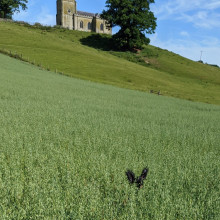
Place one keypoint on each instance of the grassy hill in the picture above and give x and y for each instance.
(66, 143)
(90, 57)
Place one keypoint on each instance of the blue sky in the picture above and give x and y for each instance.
(184, 27)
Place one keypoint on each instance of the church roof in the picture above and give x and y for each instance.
(83, 13)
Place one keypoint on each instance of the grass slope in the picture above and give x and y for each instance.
(65, 145)
(69, 53)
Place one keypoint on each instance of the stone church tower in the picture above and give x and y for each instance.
(65, 11)
(69, 17)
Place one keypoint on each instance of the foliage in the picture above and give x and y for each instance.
(65, 145)
(9, 7)
(135, 20)
(89, 56)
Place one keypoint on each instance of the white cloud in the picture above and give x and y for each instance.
(184, 33)
(213, 5)
(202, 19)
(23, 15)
(201, 13)
(177, 6)
(192, 49)
(45, 17)
(35, 13)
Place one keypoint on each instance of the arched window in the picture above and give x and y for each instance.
(101, 27)
(81, 24)
(89, 26)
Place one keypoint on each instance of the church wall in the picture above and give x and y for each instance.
(104, 30)
(68, 21)
(77, 19)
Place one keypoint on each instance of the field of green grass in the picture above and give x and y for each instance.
(87, 56)
(66, 143)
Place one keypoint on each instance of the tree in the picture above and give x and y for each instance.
(135, 20)
(9, 7)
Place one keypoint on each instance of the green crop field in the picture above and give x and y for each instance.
(66, 143)
(90, 56)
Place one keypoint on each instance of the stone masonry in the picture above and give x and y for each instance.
(69, 17)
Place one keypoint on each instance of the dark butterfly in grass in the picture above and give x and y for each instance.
(139, 181)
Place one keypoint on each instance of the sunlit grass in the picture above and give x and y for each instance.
(65, 145)
(82, 55)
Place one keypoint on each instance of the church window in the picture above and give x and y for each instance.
(101, 27)
(69, 11)
(89, 26)
(81, 24)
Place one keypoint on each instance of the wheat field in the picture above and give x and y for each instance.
(65, 145)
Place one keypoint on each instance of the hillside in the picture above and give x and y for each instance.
(66, 143)
(90, 57)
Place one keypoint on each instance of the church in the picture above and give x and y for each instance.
(69, 17)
